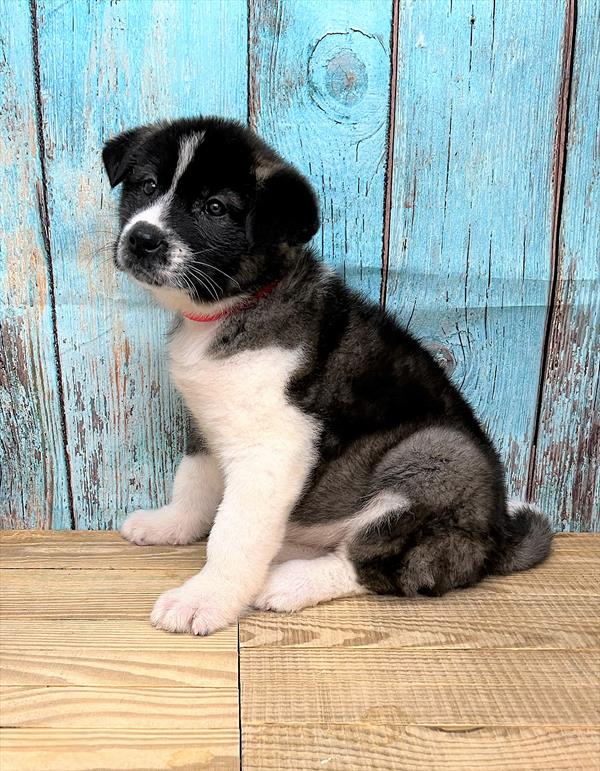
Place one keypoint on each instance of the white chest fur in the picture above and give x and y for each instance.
(239, 401)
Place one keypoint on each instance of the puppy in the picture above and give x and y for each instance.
(329, 454)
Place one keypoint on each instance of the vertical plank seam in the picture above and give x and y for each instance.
(249, 10)
(389, 166)
(558, 178)
(239, 684)
(45, 226)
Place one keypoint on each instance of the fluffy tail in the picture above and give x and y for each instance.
(529, 538)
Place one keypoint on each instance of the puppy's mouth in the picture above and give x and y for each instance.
(145, 276)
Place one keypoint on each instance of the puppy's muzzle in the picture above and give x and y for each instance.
(144, 252)
(146, 241)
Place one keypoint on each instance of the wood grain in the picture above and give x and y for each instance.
(32, 749)
(99, 549)
(566, 476)
(86, 682)
(319, 91)
(446, 688)
(33, 478)
(85, 594)
(466, 621)
(99, 76)
(471, 217)
(117, 707)
(422, 748)
(527, 610)
(118, 652)
(120, 593)
(504, 676)
(94, 685)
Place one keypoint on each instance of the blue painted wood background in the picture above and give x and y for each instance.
(455, 147)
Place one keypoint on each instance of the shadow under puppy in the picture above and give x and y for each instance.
(330, 455)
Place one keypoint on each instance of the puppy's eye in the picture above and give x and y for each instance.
(214, 207)
(149, 186)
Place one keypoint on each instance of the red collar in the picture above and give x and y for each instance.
(247, 303)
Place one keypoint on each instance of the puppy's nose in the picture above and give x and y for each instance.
(145, 240)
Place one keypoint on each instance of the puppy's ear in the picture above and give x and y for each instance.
(285, 209)
(118, 153)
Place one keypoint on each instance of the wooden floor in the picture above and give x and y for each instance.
(503, 676)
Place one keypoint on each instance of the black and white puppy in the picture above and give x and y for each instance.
(329, 454)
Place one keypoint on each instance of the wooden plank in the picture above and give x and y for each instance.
(84, 594)
(422, 748)
(98, 549)
(458, 621)
(119, 652)
(32, 749)
(528, 610)
(91, 550)
(471, 219)
(319, 92)
(566, 476)
(33, 482)
(99, 75)
(382, 687)
(117, 707)
(131, 593)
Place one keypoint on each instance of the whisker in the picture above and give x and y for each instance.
(200, 275)
(214, 267)
(204, 284)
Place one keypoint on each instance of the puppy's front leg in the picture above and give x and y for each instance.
(249, 528)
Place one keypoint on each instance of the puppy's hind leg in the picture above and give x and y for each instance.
(300, 583)
(197, 492)
(444, 534)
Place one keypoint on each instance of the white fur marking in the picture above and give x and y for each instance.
(299, 583)
(154, 214)
(265, 447)
(339, 532)
(513, 507)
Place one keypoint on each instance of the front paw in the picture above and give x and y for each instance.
(154, 528)
(188, 609)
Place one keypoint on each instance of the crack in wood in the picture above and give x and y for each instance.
(558, 179)
(42, 200)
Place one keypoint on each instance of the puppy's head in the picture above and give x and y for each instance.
(208, 211)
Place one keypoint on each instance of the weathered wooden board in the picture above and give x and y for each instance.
(33, 472)
(319, 75)
(419, 748)
(100, 688)
(472, 199)
(566, 477)
(107, 66)
(476, 688)
(473, 620)
(94, 687)
(124, 651)
(85, 594)
(458, 236)
(80, 749)
(91, 550)
(116, 707)
(498, 613)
